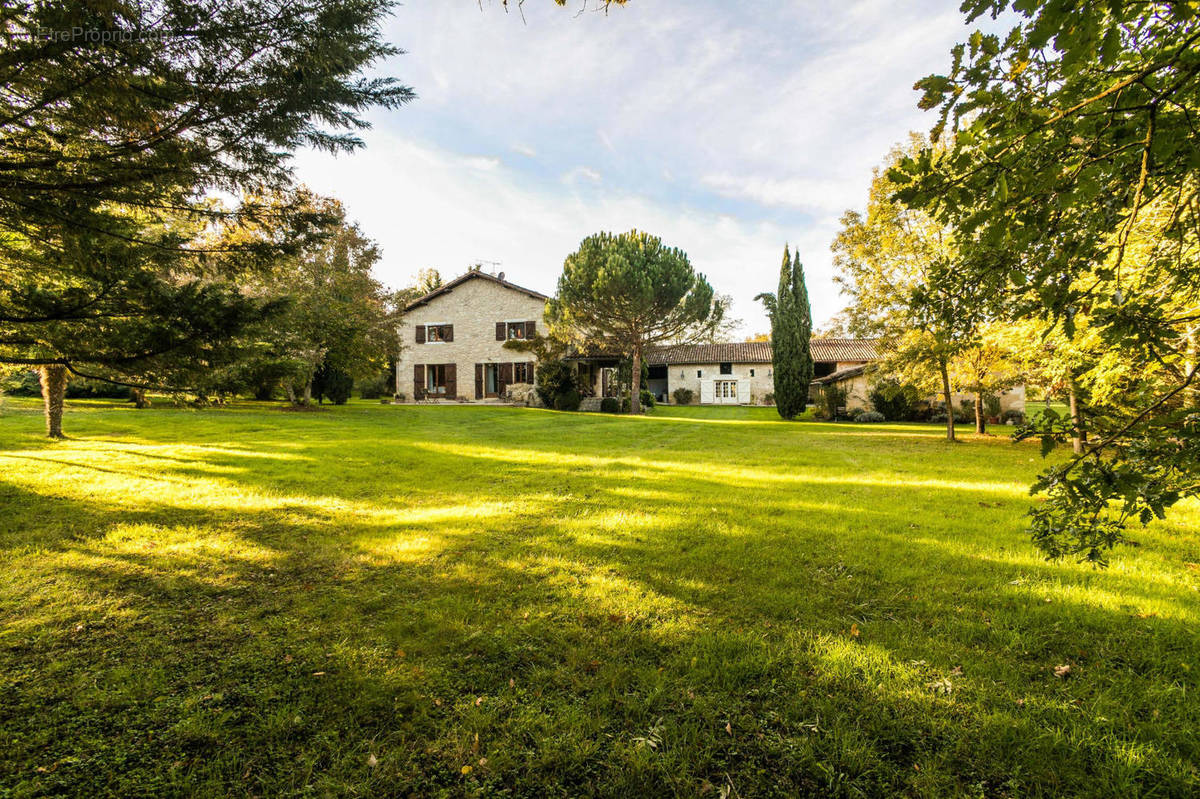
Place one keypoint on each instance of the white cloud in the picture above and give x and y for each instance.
(726, 128)
(581, 172)
(819, 195)
(529, 229)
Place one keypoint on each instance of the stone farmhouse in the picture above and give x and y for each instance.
(452, 349)
(452, 339)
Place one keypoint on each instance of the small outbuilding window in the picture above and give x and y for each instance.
(726, 368)
(699, 373)
(752, 373)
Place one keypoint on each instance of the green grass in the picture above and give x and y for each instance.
(425, 601)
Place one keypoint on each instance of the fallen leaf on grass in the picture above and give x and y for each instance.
(372, 761)
(853, 630)
(1062, 671)
(466, 769)
(729, 728)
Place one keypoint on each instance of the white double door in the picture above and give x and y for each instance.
(725, 391)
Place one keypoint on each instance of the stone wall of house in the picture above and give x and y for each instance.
(474, 308)
(685, 376)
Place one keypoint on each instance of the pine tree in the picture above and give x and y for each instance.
(110, 146)
(791, 334)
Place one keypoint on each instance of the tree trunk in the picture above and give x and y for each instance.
(1079, 435)
(139, 398)
(291, 392)
(1193, 360)
(54, 390)
(945, 367)
(307, 398)
(635, 381)
(980, 426)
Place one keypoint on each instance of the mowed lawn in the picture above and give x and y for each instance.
(457, 601)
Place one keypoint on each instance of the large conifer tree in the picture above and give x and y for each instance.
(791, 334)
(117, 122)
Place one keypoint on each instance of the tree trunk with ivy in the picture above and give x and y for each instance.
(53, 378)
(980, 421)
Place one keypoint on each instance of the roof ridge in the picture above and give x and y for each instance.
(468, 275)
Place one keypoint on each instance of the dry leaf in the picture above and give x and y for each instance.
(478, 701)
(729, 728)
(511, 682)
(318, 674)
(853, 630)
(466, 769)
(1062, 671)
(372, 761)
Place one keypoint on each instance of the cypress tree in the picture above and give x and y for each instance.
(791, 332)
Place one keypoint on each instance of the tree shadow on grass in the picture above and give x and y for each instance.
(313, 622)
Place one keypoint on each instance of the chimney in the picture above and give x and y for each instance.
(500, 275)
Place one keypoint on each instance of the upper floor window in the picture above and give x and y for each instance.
(434, 333)
(515, 331)
(727, 368)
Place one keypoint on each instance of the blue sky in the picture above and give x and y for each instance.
(726, 127)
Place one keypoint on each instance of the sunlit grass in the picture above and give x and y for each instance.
(510, 601)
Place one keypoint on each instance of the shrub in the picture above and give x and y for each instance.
(23, 383)
(895, 400)
(376, 387)
(991, 405)
(1013, 415)
(870, 416)
(769, 398)
(683, 396)
(332, 384)
(610, 405)
(647, 398)
(854, 413)
(832, 398)
(567, 401)
(553, 379)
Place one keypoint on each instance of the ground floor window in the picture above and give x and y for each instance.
(521, 373)
(491, 379)
(435, 378)
(725, 389)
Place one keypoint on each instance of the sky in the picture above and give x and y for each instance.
(727, 128)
